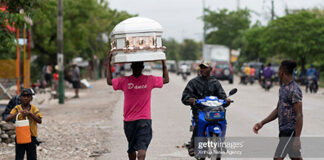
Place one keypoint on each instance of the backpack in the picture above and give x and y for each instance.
(14, 101)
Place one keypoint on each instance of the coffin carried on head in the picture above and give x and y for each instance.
(137, 39)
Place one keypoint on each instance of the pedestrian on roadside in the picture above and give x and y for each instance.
(113, 71)
(34, 116)
(48, 75)
(137, 105)
(75, 79)
(289, 113)
(56, 79)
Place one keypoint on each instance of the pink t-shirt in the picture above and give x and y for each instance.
(137, 95)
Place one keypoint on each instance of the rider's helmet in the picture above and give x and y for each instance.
(137, 39)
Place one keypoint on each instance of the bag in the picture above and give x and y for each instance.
(23, 135)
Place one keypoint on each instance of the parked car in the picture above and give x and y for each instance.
(171, 65)
(223, 70)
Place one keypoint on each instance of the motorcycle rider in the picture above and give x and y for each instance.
(267, 74)
(312, 74)
(252, 74)
(184, 70)
(197, 88)
(245, 74)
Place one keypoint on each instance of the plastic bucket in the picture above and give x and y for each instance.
(22, 131)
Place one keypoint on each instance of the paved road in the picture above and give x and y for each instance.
(171, 119)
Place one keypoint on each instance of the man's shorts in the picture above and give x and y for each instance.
(76, 84)
(138, 134)
(285, 146)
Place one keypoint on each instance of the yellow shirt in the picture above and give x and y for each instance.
(247, 71)
(32, 123)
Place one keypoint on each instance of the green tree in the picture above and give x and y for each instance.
(12, 16)
(172, 51)
(299, 36)
(190, 50)
(86, 22)
(226, 27)
(256, 46)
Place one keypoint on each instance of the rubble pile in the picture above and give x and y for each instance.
(7, 132)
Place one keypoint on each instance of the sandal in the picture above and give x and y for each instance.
(191, 151)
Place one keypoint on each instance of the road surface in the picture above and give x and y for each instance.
(171, 119)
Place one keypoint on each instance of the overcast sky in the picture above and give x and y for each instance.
(180, 18)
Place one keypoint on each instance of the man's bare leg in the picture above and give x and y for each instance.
(132, 156)
(141, 154)
(76, 93)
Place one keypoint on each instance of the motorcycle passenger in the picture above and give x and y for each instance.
(252, 74)
(313, 75)
(197, 88)
(246, 73)
(267, 74)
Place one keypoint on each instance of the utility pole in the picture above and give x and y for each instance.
(18, 62)
(272, 10)
(238, 4)
(60, 56)
(204, 32)
(204, 36)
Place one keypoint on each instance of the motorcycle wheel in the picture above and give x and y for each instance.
(215, 139)
(312, 88)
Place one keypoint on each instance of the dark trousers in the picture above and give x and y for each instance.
(29, 148)
(195, 113)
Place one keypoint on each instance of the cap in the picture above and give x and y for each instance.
(205, 63)
(28, 91)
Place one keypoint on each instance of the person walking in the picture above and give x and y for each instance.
(75, 79)
(137, 105)
(289, 113)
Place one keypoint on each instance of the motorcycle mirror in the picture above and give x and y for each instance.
(233, 91)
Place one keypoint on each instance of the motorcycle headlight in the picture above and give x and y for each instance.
(211, 103)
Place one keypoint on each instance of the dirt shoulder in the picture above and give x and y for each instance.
(78, 129)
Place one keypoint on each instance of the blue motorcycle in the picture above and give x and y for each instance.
(212, 123)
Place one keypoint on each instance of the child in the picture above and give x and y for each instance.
(34, 116)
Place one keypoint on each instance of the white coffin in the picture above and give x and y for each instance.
(137, 57)
(137, 39)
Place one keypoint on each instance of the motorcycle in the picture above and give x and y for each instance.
(184, 76)
(212, 123)
(267, 84)
(251, 79)
(311, 84)
(244, 79)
